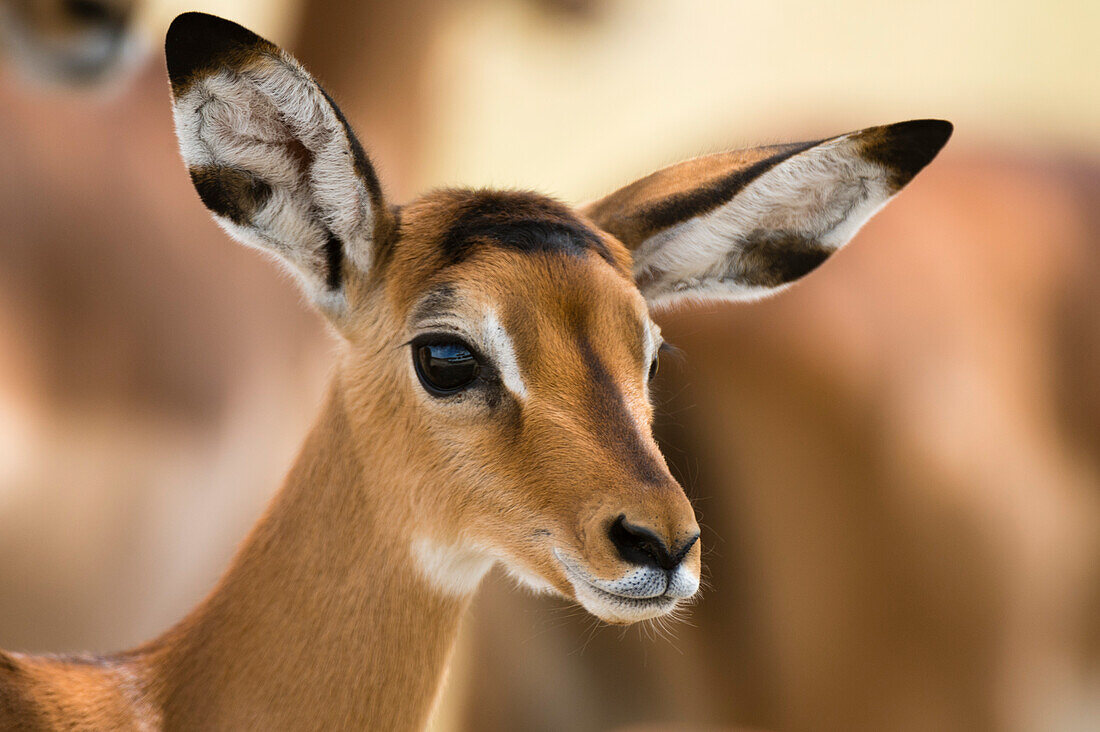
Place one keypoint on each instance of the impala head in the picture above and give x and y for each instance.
(502, 343)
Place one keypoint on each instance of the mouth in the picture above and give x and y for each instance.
(635, 608)
(613, 607)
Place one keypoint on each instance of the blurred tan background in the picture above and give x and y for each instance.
(896, 463)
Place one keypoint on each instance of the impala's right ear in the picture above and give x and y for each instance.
(271, 155)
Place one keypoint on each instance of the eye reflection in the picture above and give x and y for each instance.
(445, 365)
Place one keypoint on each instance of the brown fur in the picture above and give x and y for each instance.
(300, 632)
(725, 669)
(870, 568)
(331, 616)
(324, 619)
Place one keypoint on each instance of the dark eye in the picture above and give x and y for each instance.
(653, 367)
(445, 366)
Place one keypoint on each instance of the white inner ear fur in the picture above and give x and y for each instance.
(824, 194)
(253, 120)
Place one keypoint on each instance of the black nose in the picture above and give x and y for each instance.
(642, 546)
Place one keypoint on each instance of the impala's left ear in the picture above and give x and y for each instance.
(740, 225)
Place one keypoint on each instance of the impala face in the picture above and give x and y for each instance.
(527, 359)
(501, 342)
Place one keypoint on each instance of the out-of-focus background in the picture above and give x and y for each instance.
(896, 463)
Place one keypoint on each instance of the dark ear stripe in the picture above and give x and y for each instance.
(906, 147)
(237, 195)
(198, 43)
(696, 202)
(632, 226)
(383, 225)
(231, 193)
(773, 258)
(334, 261)
(360, 160)
(765, 259)
(521, 221)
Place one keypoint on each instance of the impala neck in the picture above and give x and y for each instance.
(322, 621)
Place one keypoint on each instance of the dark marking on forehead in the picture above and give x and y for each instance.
(520, 221)
(612, 421)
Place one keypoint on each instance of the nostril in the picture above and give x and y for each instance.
(687, 547)
(642, 546)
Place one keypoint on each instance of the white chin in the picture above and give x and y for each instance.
(622, 610)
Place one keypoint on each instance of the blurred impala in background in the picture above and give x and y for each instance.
(897, 463)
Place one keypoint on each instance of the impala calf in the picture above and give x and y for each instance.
(490, 403)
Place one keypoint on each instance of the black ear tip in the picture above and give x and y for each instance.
(184, 21)
(198, 40)
(906, 147)
(929, 133)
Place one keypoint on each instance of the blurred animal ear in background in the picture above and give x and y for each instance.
(271, 155)
(71, 42)
(744, 224)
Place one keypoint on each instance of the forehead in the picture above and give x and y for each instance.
(490, 245)
(528, 292)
